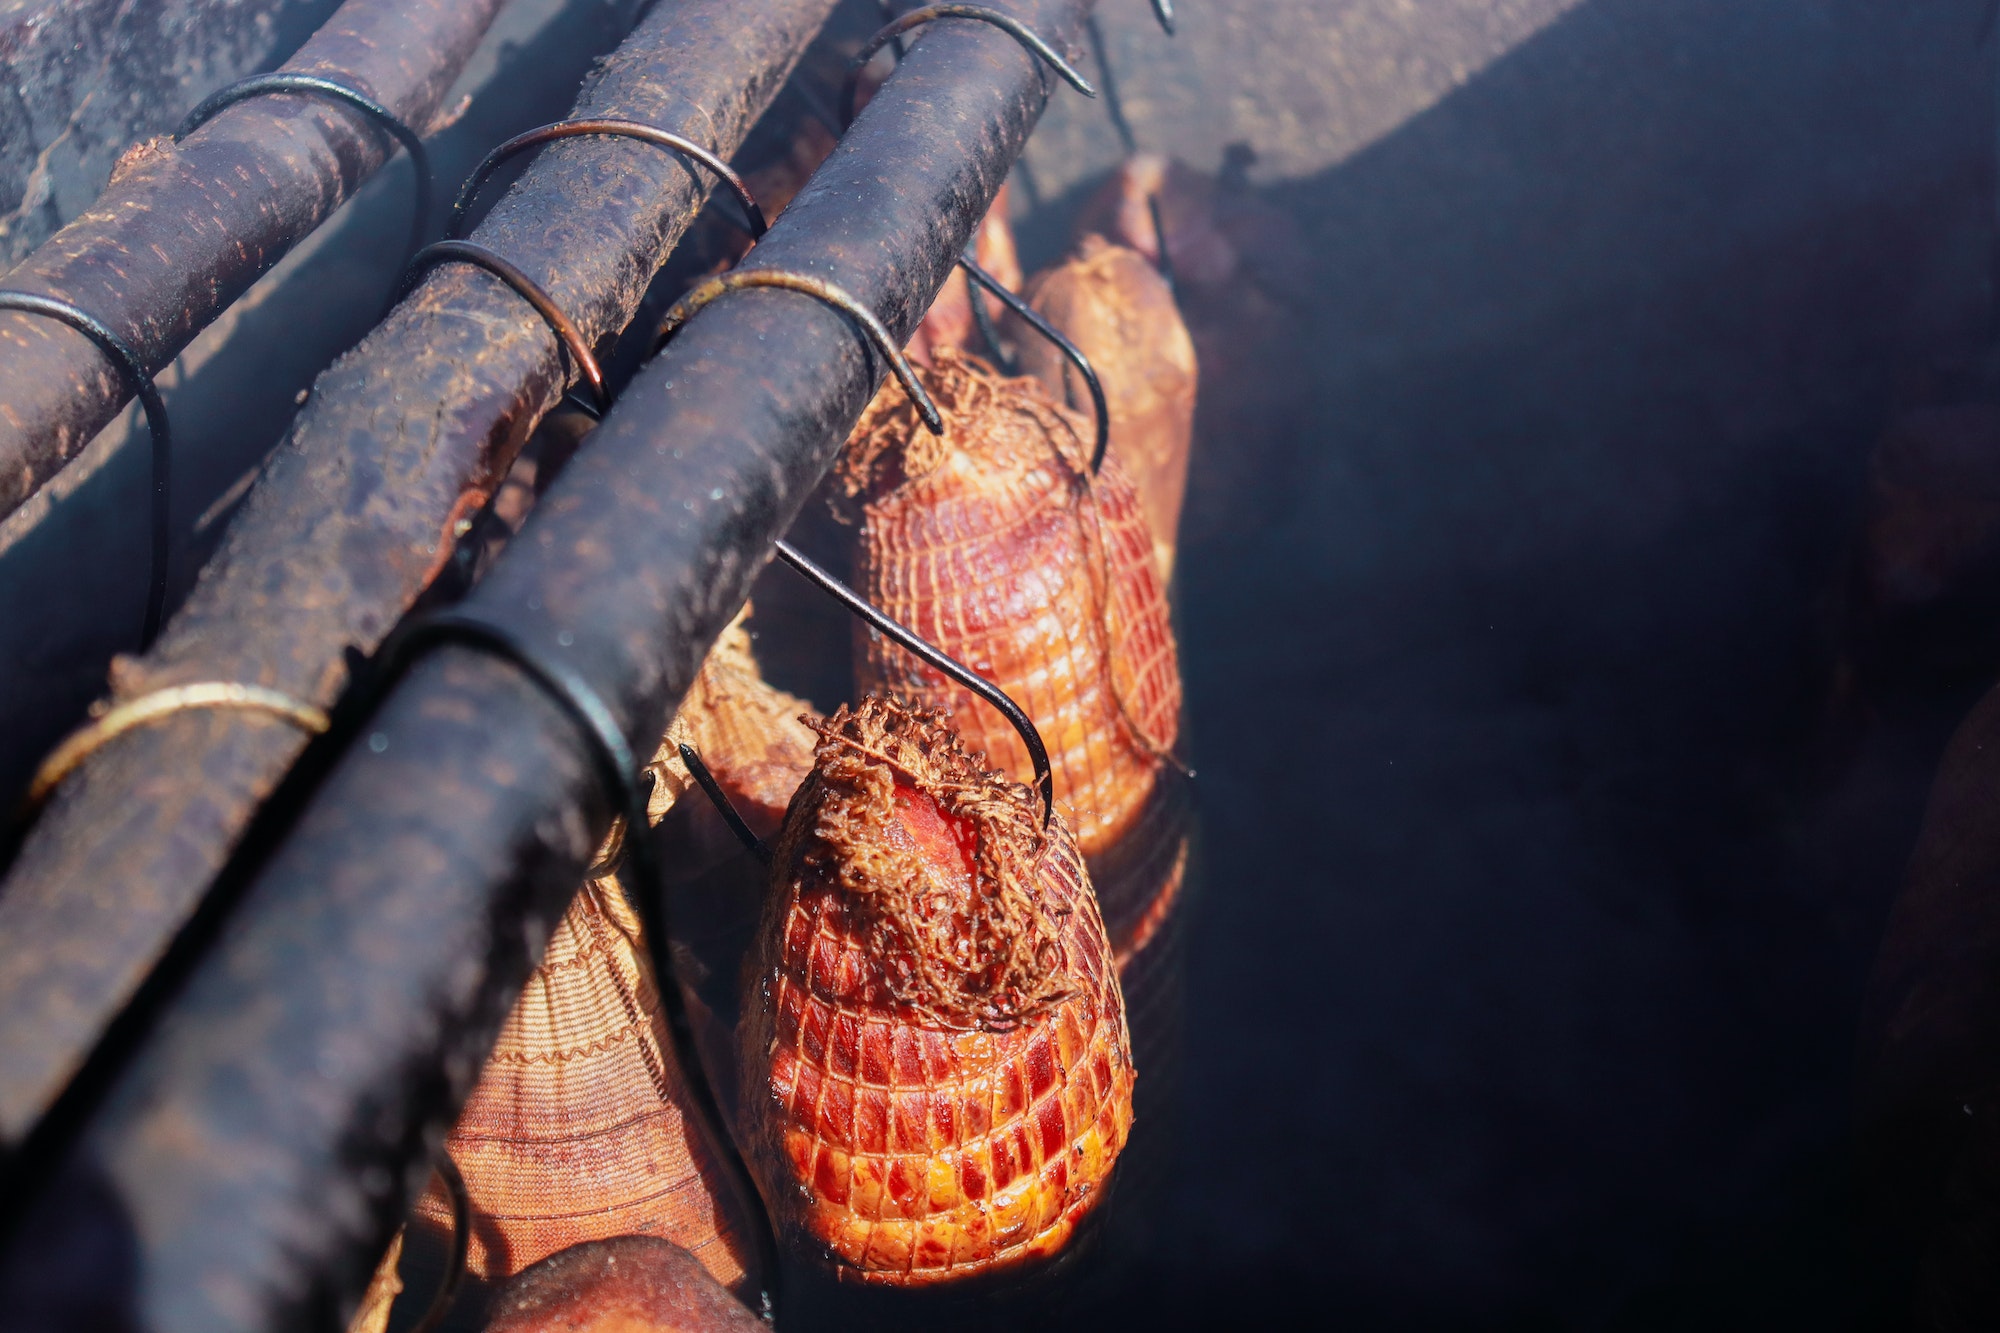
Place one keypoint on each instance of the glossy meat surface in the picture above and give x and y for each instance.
(894, 1145)
(996, 544)
(1121, 314)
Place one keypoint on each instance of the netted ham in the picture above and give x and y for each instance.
(635, 1284)
(576, 1130)
(1120, 313)
(937, 1076)
(996, 543)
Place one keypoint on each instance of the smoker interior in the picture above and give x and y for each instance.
(1547, 837)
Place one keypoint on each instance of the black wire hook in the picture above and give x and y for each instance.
(281, 81)
(725, 807)
(936, 657)
(1007, 23)
(1033, 317)
(628, 129)
(461, 1238)
(618, 771)
(133, 371)
(737, 279)
(566, 331)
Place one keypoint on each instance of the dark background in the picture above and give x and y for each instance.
(1546, 854)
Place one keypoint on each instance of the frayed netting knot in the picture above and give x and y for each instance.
(977, 952)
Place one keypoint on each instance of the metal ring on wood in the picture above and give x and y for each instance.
(150, 707)
(137, 378)
(567, 333)
(629, 129)
(281, 81)
(1033, 318)
(1007, 23)
(937, 657)
(618, 771)
(736, 279)
(461, 1237)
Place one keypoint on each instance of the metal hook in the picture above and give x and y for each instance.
(461, 1238)
(130, 368)
(723, 805)
(1099, 403)
(982, 319)
(1163, 10)
(618, 771)
(284, 82)
(936, 657)
(1007, 23)
(628, 129)
(736, 279)
(567, 333)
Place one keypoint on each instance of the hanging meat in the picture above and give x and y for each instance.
(1119, 311)
(633, 1284)
(996, 543)
(578, 1128)
(937, 1077)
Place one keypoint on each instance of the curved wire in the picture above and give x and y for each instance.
(936, 657)
(1007, 23)
(628, 129)
(1033, 317)
(133, 371)
(1163, 10)
(736, 279)
(566, 331)
(281, 81)
(121, 718)
(725, 807)
(461, 1237)
(618, 770)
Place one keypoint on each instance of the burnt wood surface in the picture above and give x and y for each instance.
(259, 1148)
(184, 229)
(356, 513)
(87, 78)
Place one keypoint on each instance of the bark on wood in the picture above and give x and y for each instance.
(401, 438)
(183, 230)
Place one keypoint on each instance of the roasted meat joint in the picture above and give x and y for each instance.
(937, 1073)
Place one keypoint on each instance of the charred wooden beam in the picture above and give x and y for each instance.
(184, 229)
(264, 1139)
(88, 77)
(355, 515)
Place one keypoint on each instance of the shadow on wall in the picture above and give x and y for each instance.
(1525, 974)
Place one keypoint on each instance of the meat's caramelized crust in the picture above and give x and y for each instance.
(916, 1121)
(997, 544)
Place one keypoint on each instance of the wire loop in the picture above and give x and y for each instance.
(628, 129)
(283, 81)
(1100, 405)
(140, 381)
(1007, 23)
(150, 707)
(618, 771)
(582, 359)
(737, 279)
(938, 658)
